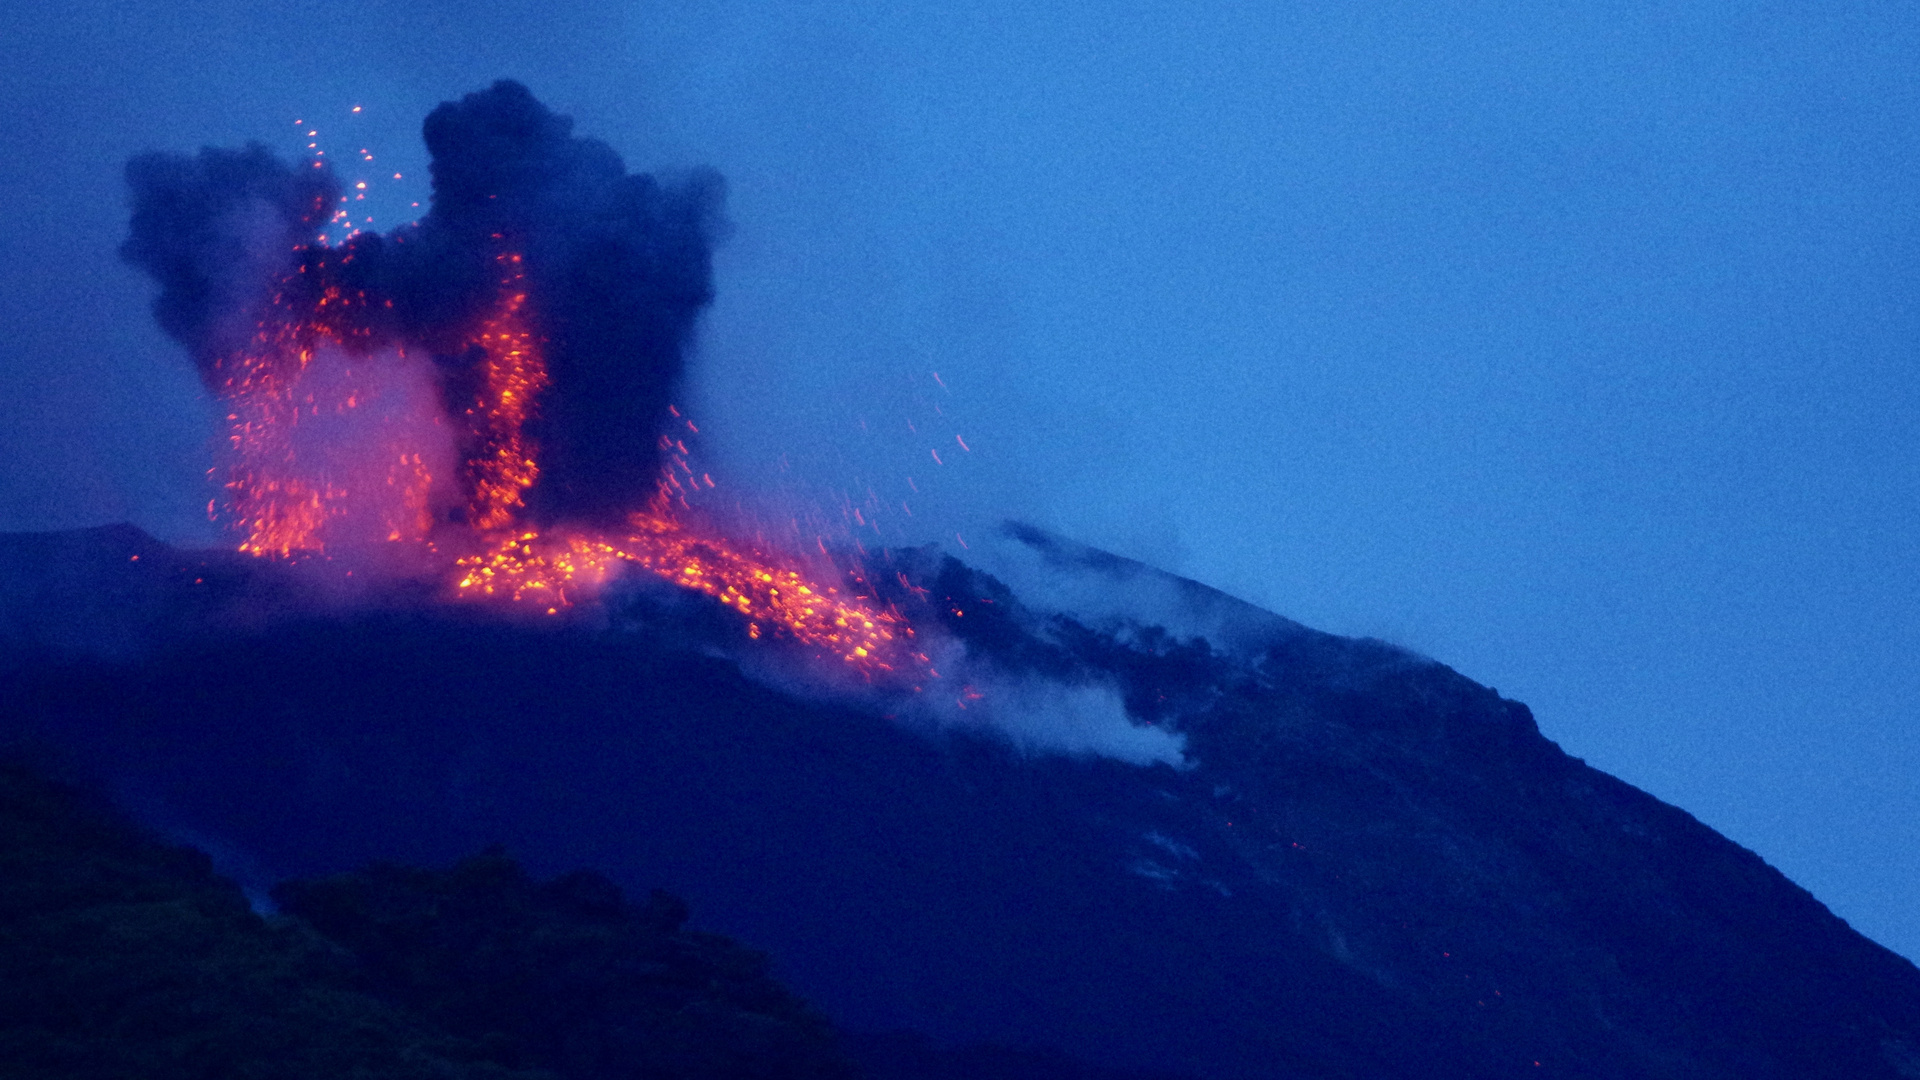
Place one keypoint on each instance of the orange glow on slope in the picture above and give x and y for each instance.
(776, 600)
(513, 375)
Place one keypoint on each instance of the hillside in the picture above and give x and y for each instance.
(1366, 864)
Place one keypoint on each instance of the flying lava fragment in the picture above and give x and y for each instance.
(492, 382)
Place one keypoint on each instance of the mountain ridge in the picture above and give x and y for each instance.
(1367, 864)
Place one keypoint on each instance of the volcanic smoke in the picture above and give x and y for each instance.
(534, 236)
(492, 382)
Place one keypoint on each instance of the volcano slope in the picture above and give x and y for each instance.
(1366, 866)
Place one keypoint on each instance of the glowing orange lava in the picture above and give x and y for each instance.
(513, 375)
(285, 491)
(776, 600)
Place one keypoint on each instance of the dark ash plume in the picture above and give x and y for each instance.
(617, 268)
(618, 265)
(216, 231)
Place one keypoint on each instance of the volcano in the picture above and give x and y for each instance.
(1046, 799)
(1339, 858)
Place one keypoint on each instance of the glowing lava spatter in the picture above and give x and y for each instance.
(284, 499)
(524, 567)
(776, 600)
(299, 372)
(279, 509)
(512, 377)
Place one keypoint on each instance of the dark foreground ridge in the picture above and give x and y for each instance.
(127, 957)
(122, 956)
(1370, 866)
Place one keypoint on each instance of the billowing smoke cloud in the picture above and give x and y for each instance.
(217, 231)
(615, 266)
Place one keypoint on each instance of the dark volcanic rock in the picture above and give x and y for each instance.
(566, 976)
(124, 957)
(1372, 866)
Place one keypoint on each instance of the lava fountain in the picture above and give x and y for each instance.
(486, 389)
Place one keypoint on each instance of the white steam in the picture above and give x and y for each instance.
(1039, 715)
(1045, 717)
(1035, 714)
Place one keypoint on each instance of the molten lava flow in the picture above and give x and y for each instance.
(776, 600)
(512, 375)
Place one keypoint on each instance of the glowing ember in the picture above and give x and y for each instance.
(777, 601)
(305, 365)
(513, 374)
(286, 391)
(278, 509)
(339, 440)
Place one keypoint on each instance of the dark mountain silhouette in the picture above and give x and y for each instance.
(124, 957)
(1369, 866)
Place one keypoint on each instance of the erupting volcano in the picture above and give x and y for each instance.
(1179, 833)
(486, 388)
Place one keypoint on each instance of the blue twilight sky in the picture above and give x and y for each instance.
(1569, 343)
